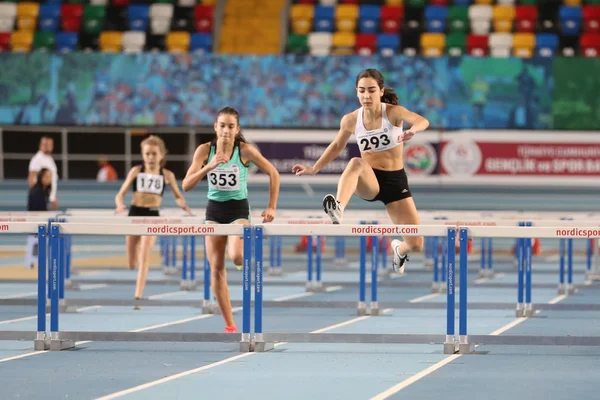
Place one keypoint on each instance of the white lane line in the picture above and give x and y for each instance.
(423, 298)
(407, 382)
(328, 289)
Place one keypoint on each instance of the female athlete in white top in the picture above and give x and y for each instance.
(378, 175)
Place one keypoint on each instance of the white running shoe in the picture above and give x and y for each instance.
(399, 260)
(333, 209)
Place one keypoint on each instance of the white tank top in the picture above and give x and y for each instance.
(385, 138)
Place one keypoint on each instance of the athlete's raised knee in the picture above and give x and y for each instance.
(356, 163)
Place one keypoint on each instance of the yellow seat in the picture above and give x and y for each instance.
(27, 14)
(503, 18)
(178, 42)
(301, 26)
(433, 44)
(306, 11)
(110, 41)
(21, 41)
(345, 25)
(208, 2)
(343, 39)
(572, 3)
(484, 2)
(348, 11)
(394, 2)
(523, 44)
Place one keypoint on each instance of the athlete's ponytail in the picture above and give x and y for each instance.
(389, 96)
(233, 111)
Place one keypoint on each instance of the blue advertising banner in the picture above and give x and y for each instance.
(287, 91)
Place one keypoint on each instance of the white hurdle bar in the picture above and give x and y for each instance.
(61, 340)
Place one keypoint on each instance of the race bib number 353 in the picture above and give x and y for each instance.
(225, 178)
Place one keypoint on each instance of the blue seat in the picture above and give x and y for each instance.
(59, 2)
(462, 2)
(201, 42)
(66, 41)
(138, 17)
(546, 44)
(435, 18)
(49, 17)
(323, 19)
(388, 44)
(570, 20)
(368, 18)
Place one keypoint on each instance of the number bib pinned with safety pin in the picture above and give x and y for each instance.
(226, 178)
(379, 140)
(149, 183)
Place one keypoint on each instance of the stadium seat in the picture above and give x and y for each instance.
(297, 44)
(111, 41)
(435, 18)
(302, 16)
(456, 44)
(480, 17)
(570, 20)
(591, 18)
(324, 17)
(439, 2)
(433, 44)
(546, 44)
(48, 17)
(346, 17)
(329, 3)
(66, 41)
(526, 17)
(523, 44)
(21, 40)
(178, 42)
(483, 2)
(160, 18)
(388, 44)
(573, 3)
(8, 14)
(590, 44)
(500, 44)
(204, 18)
(5, 41)
(506, 2)
(414, 15)
(138, 16)
(201, 42)
(366, 44)
(134, 41)
(43, 41)
(391, 18)
(395, 3)
(369, 17)
(503, 18)
(93, 18)
(319, 43)
(71, 16)
(477, 45)
(343, 43)
(462, 2)
(415, 3)
(458, 19)
(27, 15)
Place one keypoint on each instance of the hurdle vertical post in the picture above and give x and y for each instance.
(184, 284)
(520, 249)
(318, 286)
(528, 309)
(374, 260)
(362, 271)
(570, 285)
(259, 342)
(245, 343)
(490, 259)
(450, 345)
(309, 263)
(41, 341)
(56, 343)
(278, 270)
(464, 347)
(443, 285)
(207, 307)
(482, 259)
(193, 263)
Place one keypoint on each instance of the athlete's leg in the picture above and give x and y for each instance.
(146, 243)
(404, 212)
(358, 178)
(215, 248)
(132, 243)
(235, 245)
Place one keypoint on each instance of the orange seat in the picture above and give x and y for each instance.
(178, 42)
(21, 41)
(111, 41)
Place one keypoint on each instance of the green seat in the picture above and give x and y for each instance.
(593, 2)
(43, 41)
(415, 3)
(93, 17)
(456, 43)
(95, 12)
(528, 2)
(164, 1)
(458, 19)
(75, 1)
(297, 43)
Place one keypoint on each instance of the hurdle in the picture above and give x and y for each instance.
(62, 340)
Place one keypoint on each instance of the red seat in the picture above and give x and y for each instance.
(589, 43)
(204, 18)
(204, 25)
(120, 3)
(5, 41)
(306, 2)
(391, 18)
(477, 45)
(71, 11)
(349, 2)
(438, 2)
(71, 24)
(525, 16)
(366, 43)
(591, 18)
(203, 11)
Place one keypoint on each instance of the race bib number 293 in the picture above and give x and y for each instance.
(375, 142)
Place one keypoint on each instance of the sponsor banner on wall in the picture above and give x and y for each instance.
(553, 158)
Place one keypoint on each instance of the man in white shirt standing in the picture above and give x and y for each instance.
(43, 159)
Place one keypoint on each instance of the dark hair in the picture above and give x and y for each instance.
(233, 111)
(38, 181)
(389, 96)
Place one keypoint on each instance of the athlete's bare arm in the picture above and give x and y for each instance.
(347, 125)
(398, 114)
(197, 171)
(120, 197)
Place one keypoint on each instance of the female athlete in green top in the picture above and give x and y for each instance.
(225, 163)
